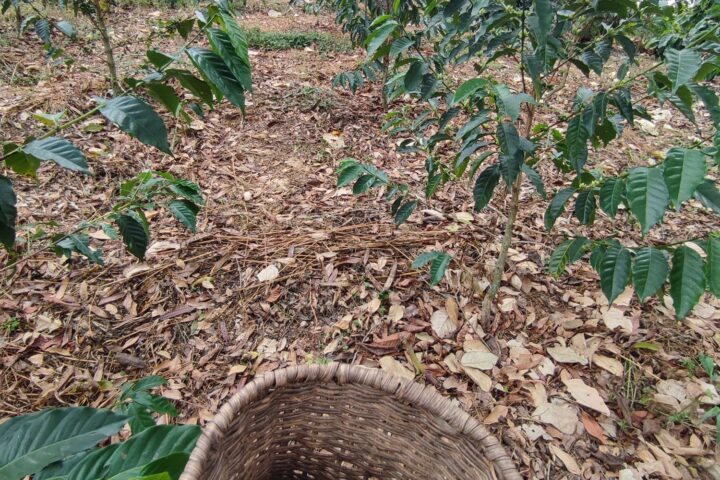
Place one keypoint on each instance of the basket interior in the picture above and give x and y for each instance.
(326, 431)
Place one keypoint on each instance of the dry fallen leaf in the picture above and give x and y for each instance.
(566, 355)
(268, 274)
(498, 412)
(479, 360)
(610, 364)
(566, 459)
(560, 416)
(395, 313)
(442, 324)
(615, 318)
(480, 379)
(593, 428)
(390, 365)
(586, 395)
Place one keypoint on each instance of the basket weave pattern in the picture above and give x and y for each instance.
(333, 422)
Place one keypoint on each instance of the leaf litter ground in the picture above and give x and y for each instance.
(286, 269)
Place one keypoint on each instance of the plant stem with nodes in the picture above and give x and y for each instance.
(98, 21)
(486, 313)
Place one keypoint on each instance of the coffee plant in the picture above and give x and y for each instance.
(224, 72)
(498, 138)
(62, 443)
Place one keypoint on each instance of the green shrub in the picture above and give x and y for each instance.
(323, 41)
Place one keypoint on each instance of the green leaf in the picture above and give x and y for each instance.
(140, 418)
(8, 213)
(171, 465)
(414, 75)
(577, 136)
(196, 86)
(139, 120)
(424, 258)
(510, 168)
(237, 37)
(682, 66)
(708, 365)
(363, 184)
(567, 253)
(152, 444)
(508, 138)
(683, 101)
(79, 243)
(535, 179)
(66, 28)
(710, 100)
(51, 120)
(684, 172)
(611, 194)
(614, 271)
(185, 27)
(377, 38)
(215, 71)
(42, 28)
(348, 174)
(585, 207)
(649, 272)
(557, 207)
(713, 265)
(432, 185)
(185, 212)
(510, 103)
(222, 45)
(485, 186)
(647, 195)
(59, 151)
(404, 212)
(709, 195)
(133, 235)
(159, 59)
(545, 13)
(593, 60)
(166, 95)
(20, 162)
(653, 347)
(400, 45)
(438, 267)
(92, 465)
(30, 442)
(687, 280)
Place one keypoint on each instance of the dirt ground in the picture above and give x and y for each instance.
(196, 312)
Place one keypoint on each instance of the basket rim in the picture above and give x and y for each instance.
(424, 397)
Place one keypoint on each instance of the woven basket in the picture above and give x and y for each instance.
(331, 422)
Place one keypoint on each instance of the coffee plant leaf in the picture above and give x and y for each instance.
(134, 235)
(650, 271)
(684, 170)
(8, 212)
(137, 119)
(217, 73)
(647, 195)
(31, 442)
(58, 150)
(687, 280)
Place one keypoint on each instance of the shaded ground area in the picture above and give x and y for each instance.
(579, 389)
